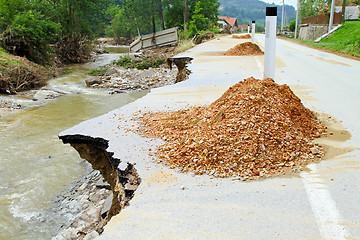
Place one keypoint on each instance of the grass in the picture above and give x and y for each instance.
(139, 63)
(97, 72)
(345, 40)
(184, 45)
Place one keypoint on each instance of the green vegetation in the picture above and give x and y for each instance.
(292, 25)
(29, 28)
(135, 17)
(345, 40)
(139, 63)
(46, 31)
(97, 72)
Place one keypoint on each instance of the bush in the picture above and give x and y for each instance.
(29, 36)
(292, 25)
(97, 72)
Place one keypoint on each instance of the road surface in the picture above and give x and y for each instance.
(320, 203)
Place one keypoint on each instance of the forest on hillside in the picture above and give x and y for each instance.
(248, 10)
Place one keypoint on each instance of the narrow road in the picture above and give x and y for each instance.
(320, 203)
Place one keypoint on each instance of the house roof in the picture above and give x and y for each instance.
(244, 26)
(229, 20)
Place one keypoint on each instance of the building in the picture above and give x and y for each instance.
(227, 22)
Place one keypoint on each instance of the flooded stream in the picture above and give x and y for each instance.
(34, 164)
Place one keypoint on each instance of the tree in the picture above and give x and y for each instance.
(8, 11)
(178, 12)
(186, 13)
(29, 35)
(311, 7)
(121, 25)
(174, 14)
(161, 16)
(199, 22)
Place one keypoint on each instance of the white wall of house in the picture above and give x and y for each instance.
(351, 12)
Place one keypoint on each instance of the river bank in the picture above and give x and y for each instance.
(28, 135)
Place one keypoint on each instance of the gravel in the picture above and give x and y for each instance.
(256, 129)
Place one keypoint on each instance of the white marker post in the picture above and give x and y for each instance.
(253, 32)
(248, 28)
(270, 42)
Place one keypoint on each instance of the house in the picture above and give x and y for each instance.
(227, 22)
(243, 28)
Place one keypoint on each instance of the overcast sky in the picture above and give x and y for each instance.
(279, 2)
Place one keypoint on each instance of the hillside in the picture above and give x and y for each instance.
(247, 10)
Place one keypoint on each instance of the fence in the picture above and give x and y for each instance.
(322, 19)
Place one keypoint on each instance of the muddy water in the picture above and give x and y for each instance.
(34, 164)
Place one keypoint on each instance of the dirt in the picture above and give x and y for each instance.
(247, 36)
(19, 74)
(255, 129)
(244, 49)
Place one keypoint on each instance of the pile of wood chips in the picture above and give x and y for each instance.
(247, 36)
(244, 49)
(255, 129)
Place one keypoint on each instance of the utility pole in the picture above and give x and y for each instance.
(331, 15)
(343, 11)
(297, 18)
(282, 16)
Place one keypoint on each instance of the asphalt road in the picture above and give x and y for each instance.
(320, 203)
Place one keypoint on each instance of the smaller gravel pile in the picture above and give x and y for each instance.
(247, 36)
(244, 49)
(256, 129)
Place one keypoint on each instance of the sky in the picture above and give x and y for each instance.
(279, 2)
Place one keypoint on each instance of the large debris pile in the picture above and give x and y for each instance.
(247, 36)
(243, 49)
(256, 129)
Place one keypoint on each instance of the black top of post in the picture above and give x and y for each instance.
(271, 11)
(253, 21)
